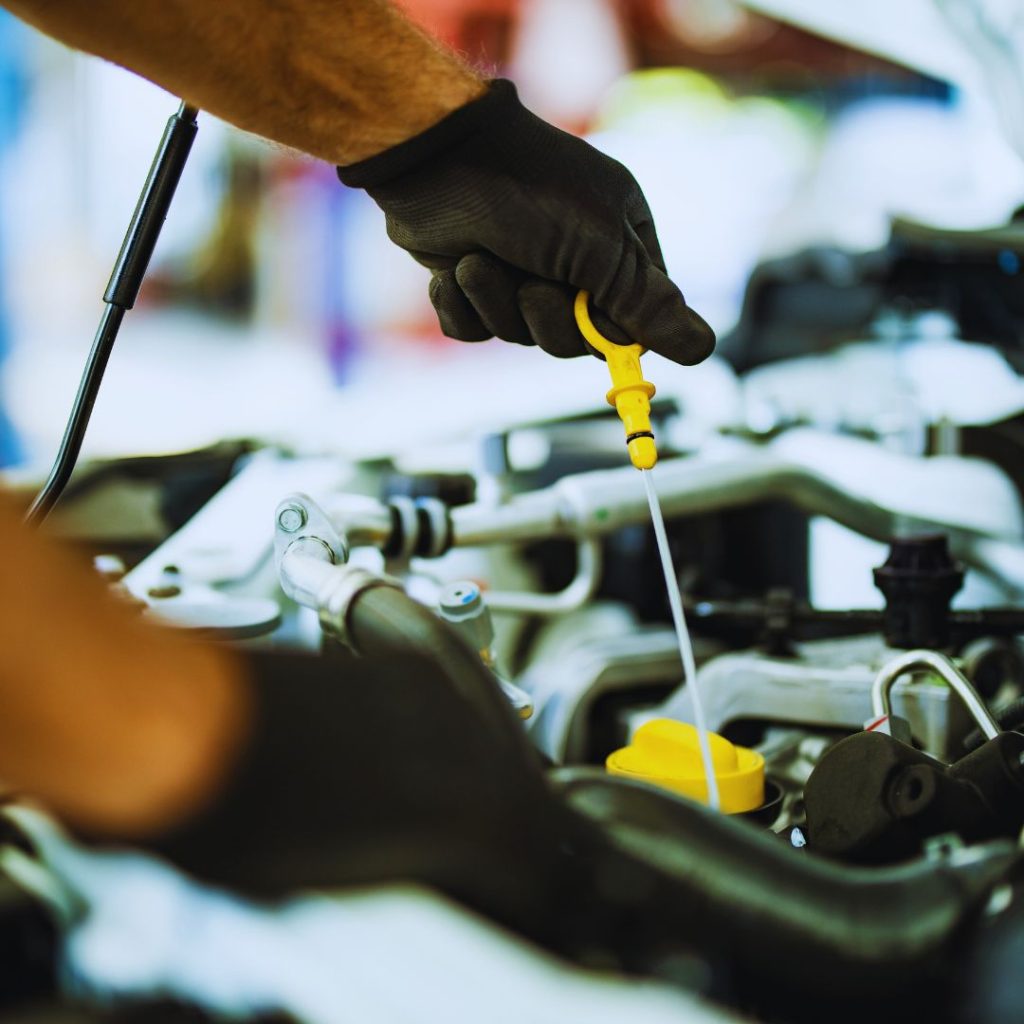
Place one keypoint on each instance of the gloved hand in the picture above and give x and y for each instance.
(390, 770)
(514, 216)
(377, 771)
(345, 759)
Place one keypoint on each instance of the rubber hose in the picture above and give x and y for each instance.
(386, 621)
(796, 922)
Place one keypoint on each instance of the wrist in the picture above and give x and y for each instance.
(442, 96)
(492, 104)
(391, 116)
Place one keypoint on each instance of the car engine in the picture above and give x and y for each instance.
(875, 867)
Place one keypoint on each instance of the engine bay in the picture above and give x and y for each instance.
(853, 590)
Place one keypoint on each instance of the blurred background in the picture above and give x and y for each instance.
(276, 304)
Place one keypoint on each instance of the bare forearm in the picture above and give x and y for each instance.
(339, 79)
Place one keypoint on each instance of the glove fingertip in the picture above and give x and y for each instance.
(659, 319)
(489, 286)
(455, 315)
(696, 340)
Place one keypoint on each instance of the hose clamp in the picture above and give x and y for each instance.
(336, 597)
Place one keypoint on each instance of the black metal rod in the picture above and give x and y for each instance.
(151, 210)
(81, 411)
(120, 295)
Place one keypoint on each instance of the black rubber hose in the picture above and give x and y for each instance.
(785, 922)
(386, 621)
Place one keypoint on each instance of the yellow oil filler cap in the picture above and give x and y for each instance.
(666, 753)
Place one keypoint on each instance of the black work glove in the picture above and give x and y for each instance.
(513, 217)
(374, 771)
(377, 771)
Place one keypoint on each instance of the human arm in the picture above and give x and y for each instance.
(263, 773)
(338, 79)
(511, 215)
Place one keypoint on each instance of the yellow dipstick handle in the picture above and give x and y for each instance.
(630, 394)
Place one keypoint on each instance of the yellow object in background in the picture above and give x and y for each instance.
(630, 394)
(666, 753)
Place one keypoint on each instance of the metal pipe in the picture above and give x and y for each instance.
(597, 503)
(361, 520)
(582, 588)
(903, 664)
(305, 569)
(594, 504)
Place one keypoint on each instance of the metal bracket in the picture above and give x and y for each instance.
(299, 518)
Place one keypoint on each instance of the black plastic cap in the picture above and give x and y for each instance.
(918, 579)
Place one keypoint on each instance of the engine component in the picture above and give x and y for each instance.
(938, 665)
(875, 799)
(827, 683)
(576, 593)
(597, 653)
(778, 619)
(600, 502)
(207, 614)
(861, 934)
(450, 488)
(968, 274)
(375, 617)
(805, 939)
(919, 579)
(462, 605)
(1009, 716)
(666, 753)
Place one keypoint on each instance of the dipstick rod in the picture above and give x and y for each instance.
(675, 601)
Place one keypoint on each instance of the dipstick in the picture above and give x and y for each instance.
(631, 396)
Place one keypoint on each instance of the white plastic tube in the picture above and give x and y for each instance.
(675, 601)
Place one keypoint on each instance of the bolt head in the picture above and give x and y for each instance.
(291, 518)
